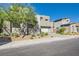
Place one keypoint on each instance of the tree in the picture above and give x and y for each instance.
(3, 17)
(19, 14)
(31, 22)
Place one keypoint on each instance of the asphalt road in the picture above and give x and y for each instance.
(59, 48)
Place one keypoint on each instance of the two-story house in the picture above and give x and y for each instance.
(45, 25)
(65, 22)
(59, 22)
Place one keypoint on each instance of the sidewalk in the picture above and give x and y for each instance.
(35, 41)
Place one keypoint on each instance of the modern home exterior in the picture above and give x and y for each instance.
(77, 26)
(59, 22)
(67, 24)
(71, 27)
(44, 23)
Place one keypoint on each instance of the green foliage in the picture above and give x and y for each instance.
(15, 34)
(43, 34)
(17, 14)
(61, 30)
(46, 33)
(3, 34)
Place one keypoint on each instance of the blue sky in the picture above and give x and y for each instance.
(56, 10)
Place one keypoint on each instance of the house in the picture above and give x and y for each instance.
(45, 25)
(71, 27)
(77, 27)
(59, 22)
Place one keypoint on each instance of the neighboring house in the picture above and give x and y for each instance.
(45, 25)
(65, 22)
(77, 26)
(71, 27)
(59, 22)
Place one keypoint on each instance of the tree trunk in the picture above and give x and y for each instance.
(11, 27)
(28, 29)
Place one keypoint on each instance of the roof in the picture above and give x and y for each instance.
(60, 19)
(67, 24)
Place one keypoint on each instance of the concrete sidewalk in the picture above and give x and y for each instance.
(35, 41)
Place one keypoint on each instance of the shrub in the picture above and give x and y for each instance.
(2, 34)
(61, 30)
(46, 33)
(42, 34)
(15, 34)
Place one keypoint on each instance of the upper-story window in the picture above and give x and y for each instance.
(41, 17)
(46, 19)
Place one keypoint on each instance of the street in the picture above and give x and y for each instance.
(58, 48)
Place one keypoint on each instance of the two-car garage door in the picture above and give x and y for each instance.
(46, 30)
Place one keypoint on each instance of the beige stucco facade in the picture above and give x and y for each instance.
(45, 24)
(59, 22)
(70, 28)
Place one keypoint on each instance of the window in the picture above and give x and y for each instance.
(41, 17)
(46, 19)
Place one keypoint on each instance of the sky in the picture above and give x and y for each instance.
(56, 10)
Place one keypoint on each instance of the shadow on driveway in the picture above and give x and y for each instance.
(5, 40)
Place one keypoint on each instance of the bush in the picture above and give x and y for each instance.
(2, 34)
(15, 34)
(46, 33)
(61, 31)
(42, 34)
